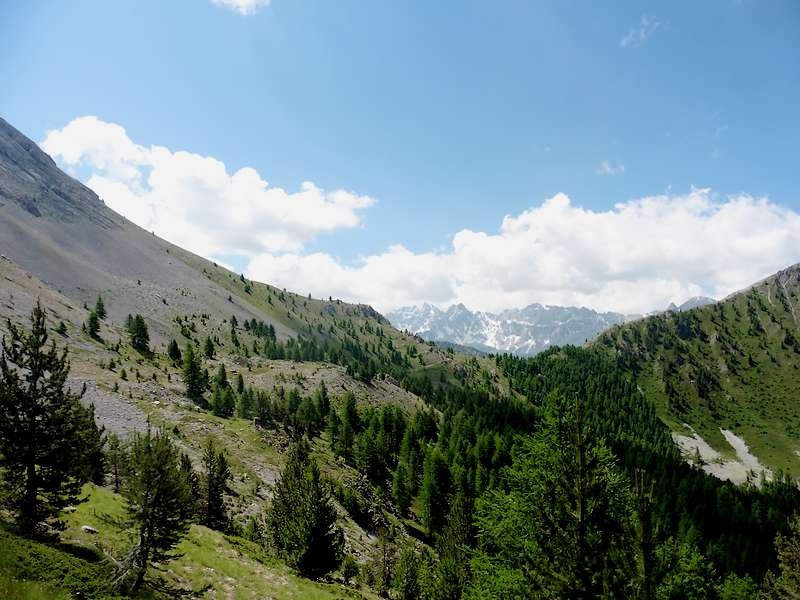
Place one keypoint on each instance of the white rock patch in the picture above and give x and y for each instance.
(746, 467)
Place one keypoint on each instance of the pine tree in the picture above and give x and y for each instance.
(117, 459)
(46, 436)
(239, 383)
(208, 348)
(93, 325)
(192, 374)
(562, 524)
(302, 518)
(435, 491)
(786, 582)
(158, 504)
(223, 402)
(401, 488)
(139, 336)
(213, 486)
(173, 351)
(452, 546)
(100, 308)
(192, 481)
(334, 427)
(221, 378)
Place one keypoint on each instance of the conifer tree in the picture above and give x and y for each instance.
(208, 348)
(139, 336)
(192, 374)
(46, 435)
(117, 459)
(158, 504)
(786, 582)
(239, 383)
(562, 524)
(302, 518)
(221, 378)
(223, 402)
(334, 426)
(435, 491)
(401, 488)
(213, 486)
(173, 351)
(192, 480)
(93, 325)
(100, 308)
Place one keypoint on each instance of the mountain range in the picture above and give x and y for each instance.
(522, 331)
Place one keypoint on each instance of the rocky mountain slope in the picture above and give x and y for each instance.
(62, 246)
(725, 376)
(525, 331)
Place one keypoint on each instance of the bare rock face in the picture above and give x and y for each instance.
(30, 179)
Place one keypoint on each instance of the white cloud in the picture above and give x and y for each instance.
(638, 35)
(243, 7)
(636, 257)
(193, 200)
(608, 168)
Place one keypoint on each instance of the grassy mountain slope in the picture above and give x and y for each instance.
(733, 365)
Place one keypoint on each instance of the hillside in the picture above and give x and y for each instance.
(63, 247)
(525, 331)
(726, 373)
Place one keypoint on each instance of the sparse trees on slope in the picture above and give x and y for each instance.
(302, 518)
(45, 433)
(158, 504)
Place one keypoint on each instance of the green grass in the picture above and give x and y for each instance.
(50, 570)
(16, 589)
(211, 564)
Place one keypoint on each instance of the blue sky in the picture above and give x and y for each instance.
(450, 115)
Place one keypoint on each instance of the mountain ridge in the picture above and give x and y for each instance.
(524, 331)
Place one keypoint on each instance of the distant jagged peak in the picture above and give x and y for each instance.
(693, 302)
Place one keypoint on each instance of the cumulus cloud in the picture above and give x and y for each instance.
(636, 257)
(608, 168)
(243, 7)
(637, 36)
(193, 200)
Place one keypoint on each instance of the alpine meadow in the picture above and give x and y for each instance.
(436, 387)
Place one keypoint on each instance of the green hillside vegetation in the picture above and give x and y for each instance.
(415, 482)
(732, 365)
